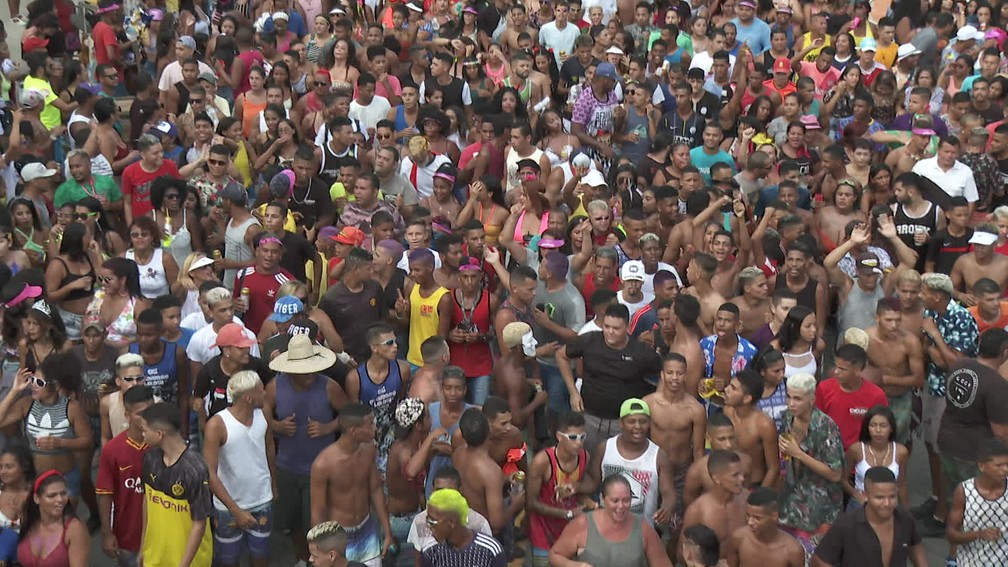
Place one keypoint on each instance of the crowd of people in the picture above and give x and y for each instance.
(558, 282)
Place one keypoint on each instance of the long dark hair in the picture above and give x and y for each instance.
(36, 220)
(32, 515)
(72, 244)
(103, 226)
(885, 412)
(24, 460)
(790, 331)
(126, 268)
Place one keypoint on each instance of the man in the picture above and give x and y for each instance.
(119, 486)
(847, 395)
(210, 386)
(896, 362)
(559, 35)
(296, 249)
(722, 507)
(327, 543)
(919, 104)
(509, 375)
(761, 543)
(990, 309)
(356, 302)
(700, 272)
(973, 507)
(916, 218)
(447, 516)
(529, 92)
(262, 280)
(710, 151)
(426, 382)
(881, 528)
(482, 478)
(368, 107)
(240, 228)
(420, 535)
(720, 436)
(102, 187)
(456, 91)
(206, 342)
(725, 354)
(310, 198)
(345, 486)
(559, 315)
(631, 295)
(949, 333)
(946, 171)
(359, 212)
(391, 184)
(756, 432)
(164, 364)
(751, 30)
(185, 48)
(177, 494)
(421, 164)
(522, 282)
(424, 305)
(138, 177)
(239, 453)
(591, 118)
(615, 365)
(981, 262)
(641, 461)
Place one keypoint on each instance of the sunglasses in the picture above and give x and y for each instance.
(383, 136)
(83, 216)
(196, 100)
(432, 522)
(574, 436)
(132, 379)
(388, 342)
(216, 162)
(39, 382)
(112, 76)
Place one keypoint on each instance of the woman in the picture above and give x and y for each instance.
(952, 76)
(196, 269)
(485, 204)
(129, 372)
(839, 101)
(925, 78)
(284, 37)
(340, 64)
(844, 45)
(106, 140)
(243, 154)
(17, 471)
(698, 34)
(771, 365)
(278, 153)
(42, 335)
(680, 155)
(119, 301)
(16, 260)
(280, 76)
(810, 444)
(550, 137)
(458, 126)
(250, 104)
(495, 65)
(318, 39)
(529, 216)
(879, 190)
(442, 202)
(157, 269)
(798, 343)
(51, 535)
(611, 535)
(507, 102)
(90, 212)
(29, 234)
(46, 413)
(480, 85)
(876, 447)
(179, 230)
(271, 117)
(71, 277)
(436, 129)
(884, 93)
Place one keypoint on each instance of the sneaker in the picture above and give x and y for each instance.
(951, 562)
(19, 20)
(931, 527)
(926, 509)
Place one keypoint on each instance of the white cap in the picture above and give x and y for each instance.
(907, 50)
(966, 33)
(36, 170)
(632, 270)
(983, 238)
(614, 51)
(202, 262)
(593, 178)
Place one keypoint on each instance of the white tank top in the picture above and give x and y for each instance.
(235, 247)
(242, 466)
(153, 281)
(862, 466)
(511, 166)
(642, 473)
(804, 363)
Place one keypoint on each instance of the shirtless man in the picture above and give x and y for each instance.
(722, 242)
(678, 421)
(518, 24)
(509, 379)
(982, 262)
(904, 158)
(699, 273)
(908, 289)
(760, 543)
(832, 220)
(722, 507)
(896, 362)
(756, 433)
(753, 301)
(426, 383)
(346, 486)
(685, 312)
(720, 436)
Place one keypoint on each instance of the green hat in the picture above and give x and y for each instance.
(634, 406)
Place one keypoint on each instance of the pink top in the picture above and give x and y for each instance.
(543, 225)
(59, 556)
(496, 76)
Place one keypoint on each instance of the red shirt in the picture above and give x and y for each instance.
(589, 288)
(262, 294)
(475, 358)
(1001, 322)
(136, 184)
(119, 477)
(848, 408)
(104, 36)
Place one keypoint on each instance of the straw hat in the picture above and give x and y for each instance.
(303, 357)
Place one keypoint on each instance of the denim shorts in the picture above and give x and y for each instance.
(72, 322)
(232, 541)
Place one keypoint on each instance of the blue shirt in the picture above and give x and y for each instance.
(704, 161)
(756, 34)
(959, 331)
(294, 24)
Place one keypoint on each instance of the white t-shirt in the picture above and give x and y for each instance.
(423, 180)
(370, 115)
(632, 307)
(420, 535)
(172, 74)
(559, 40)
(199, 345)
(196, 321)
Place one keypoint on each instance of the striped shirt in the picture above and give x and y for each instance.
(482, 551)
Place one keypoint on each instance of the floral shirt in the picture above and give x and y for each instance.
(744, 354)
(808, 500)
(985, 173)
(959, 331)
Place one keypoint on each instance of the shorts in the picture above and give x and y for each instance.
(931, 414)
(679, 480)
(599, 429)
(902, 408)
(364, 542)
(954, 471)
(72, 322)
(73, 482)
(293, 507)
(401, 524)
(232, 541)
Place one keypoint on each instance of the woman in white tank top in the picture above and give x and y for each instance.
(157, 269)
(798, 342)
(876, 448)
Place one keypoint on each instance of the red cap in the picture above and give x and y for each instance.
(350, 235)
(33, 43)
(232, 335)
(782, 65)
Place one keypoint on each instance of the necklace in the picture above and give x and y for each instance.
(875, 458)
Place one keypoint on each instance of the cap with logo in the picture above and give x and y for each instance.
(286, 308)
(632, 270)
(350, 235)
(606, 71)
(232, 335)
(187, 41)
(782, 65)
(868, 263)
(983, 238)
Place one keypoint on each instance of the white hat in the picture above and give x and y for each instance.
(632, 270)
(36, 170)
(337, 11)
(303, 357)
(614, 51)
(983, 238)
(966, 33)
(907, 50)
(593, 178)
(201, 263)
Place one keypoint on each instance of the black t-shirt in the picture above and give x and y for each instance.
(708, 106)
(611, 376)
(212, 380)
(352, 313)
(944, 249)
(297, 251)
(975, 397)
(851, 541)
(312, 201)
(395, 285)
(279, 341)
(572, 71)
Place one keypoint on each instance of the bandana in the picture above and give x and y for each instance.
(470, 264)
(408, 412)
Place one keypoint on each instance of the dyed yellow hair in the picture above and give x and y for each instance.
(450, 500)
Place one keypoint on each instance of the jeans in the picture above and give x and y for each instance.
(559, 398)
(479, 390)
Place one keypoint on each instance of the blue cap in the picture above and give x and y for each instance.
(868, 44)
(286, 308)
(607, 70)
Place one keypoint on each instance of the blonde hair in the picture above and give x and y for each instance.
(216, 295)
(911, 276)
(1000, 213)
(242, 382)
(128, 360)
(290, 287)
(802, 382)
(938, 282)
(855, 336)
(183, 276)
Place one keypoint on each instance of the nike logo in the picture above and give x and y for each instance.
(126, 468)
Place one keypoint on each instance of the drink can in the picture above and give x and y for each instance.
(217, 255)
(245, 293)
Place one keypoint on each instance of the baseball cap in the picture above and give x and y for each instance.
(513, 333)
(36, 170)
(606, 70)
(868, 44)
(201, 263)
(614, 51)
(782, 65)
(632, 270)
(810, 121)
(31, 98)
(868, 263)
(350, 235)
(593, 178)
(286, 308)
(232, 335)
(983, 238)
(784, 10)
(906, 50)
(328, 232)
(187, 41)
(93, 323)
(208, 77)
(634, 406)
(166, 128)
(966, 33)
(923, 131)
(234, 192)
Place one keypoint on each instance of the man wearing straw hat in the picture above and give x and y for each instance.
(301, 405)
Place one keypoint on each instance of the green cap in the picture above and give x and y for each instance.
(634, 406)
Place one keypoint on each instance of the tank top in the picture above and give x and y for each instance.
(907, 226)
(153, 280)
(473, 358)
(180, 245)
(123, 327)
(862, 466)
(812, 55)
(117, 414)
(58, 557)
(545, 530)
(191, 304)
(626, 553)
(497, 77)
(806, 296)
(797, 364)
(383, 399)
(235, 247)
(980, 513)
(163, 376)
(71, 277)
(250, 116)
(775, 404)
(524, 93)
(400, 119)
(511, 166)
(330, 166)
(439, 461)
(424, 321)
(49, 420)
(859, 309)
(642, 473)
(242, 466)
(297, 453)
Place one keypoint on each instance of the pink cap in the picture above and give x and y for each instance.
(924, 132)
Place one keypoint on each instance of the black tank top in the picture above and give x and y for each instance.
(806, 297)
(331, 163)
(452, 91)
(907, 226)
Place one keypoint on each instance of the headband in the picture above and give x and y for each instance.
(42, 307)
(42, 477)
(270, 240)
(471, 264)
